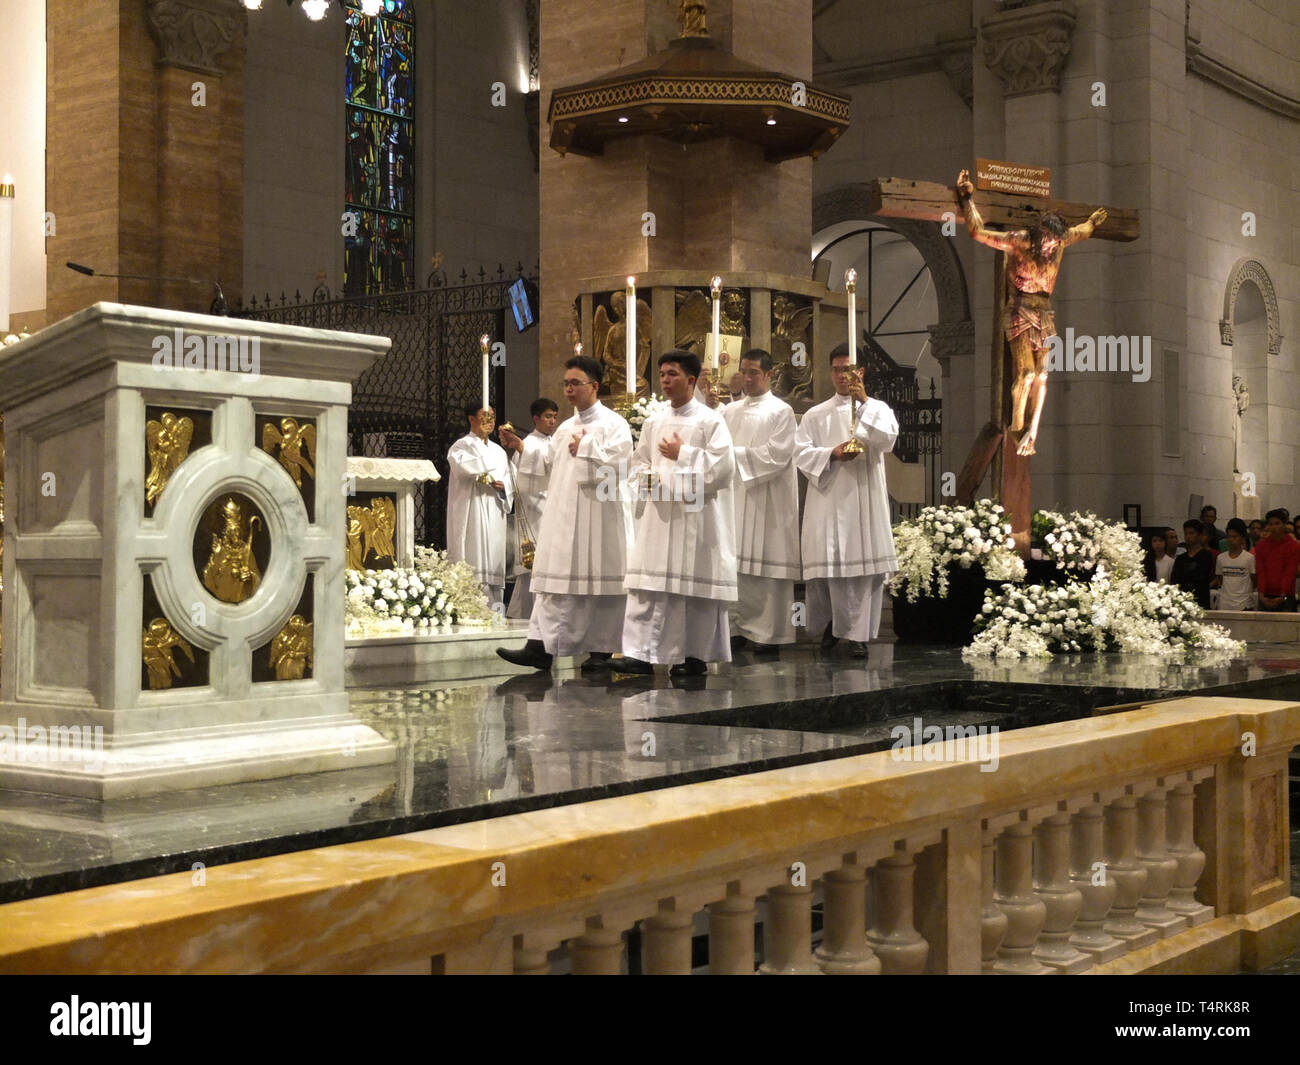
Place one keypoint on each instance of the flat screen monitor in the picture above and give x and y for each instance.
(521, 305)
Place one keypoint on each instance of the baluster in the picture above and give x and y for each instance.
(731, 934)
(993, 922)
(844, 947)
(902, 949)
(1190, 857)
(1096, 887)
(666, 941)
(1062, 899)
(1160, 865)
(530, 959)
(1015, 897)
(787, 939)
(1130, 875)
(599, 951)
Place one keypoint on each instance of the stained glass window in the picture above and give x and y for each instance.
(380, 192)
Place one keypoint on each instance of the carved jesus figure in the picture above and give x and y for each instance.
(1033, 261)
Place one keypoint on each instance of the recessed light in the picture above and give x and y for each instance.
(622, 118)
(771, 121)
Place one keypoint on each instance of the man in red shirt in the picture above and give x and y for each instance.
(1277, 557)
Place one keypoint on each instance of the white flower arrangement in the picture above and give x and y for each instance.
(432, 595)
(1081, 540)
(643, 408)
(1127, 614)
(953, 535)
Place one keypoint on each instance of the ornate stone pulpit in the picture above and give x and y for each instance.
(174, 553)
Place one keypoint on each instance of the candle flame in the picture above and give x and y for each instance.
(8, 179)
(577, 348)
(631, 281)
(716, 284)
(483, 341)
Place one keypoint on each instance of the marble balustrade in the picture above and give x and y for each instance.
(1152, 840)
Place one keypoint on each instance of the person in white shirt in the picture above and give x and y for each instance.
(847, 543)
(1234, 570)
(766, 490)
(585, 533)
(478, 499)
(1159, 563)
(531, 458)
(681, 574)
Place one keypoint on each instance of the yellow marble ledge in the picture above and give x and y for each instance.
(354, 905)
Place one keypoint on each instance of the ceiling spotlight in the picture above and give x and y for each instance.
(771, 121)
(253, 5)
(622, 118)
(371, 8)
(315, 9)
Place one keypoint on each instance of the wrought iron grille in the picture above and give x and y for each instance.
(920, 421)
(409, 404)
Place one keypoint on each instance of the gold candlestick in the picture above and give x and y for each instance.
(852, 446)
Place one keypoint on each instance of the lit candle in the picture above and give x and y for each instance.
(711, 360)
(6, 247)
(483, 344)
(630, 319)
(851, 287)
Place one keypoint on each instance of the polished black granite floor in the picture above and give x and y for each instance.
(506, 744)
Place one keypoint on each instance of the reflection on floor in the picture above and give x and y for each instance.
(500, 745)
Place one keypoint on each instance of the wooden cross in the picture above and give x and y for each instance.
(932, 202)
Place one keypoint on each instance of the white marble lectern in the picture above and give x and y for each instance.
(174, 551)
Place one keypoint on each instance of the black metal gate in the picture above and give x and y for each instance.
(409, 404)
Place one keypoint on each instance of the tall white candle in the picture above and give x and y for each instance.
(630, 319)
(483, 344)
(851, 287)
(6, 247)
(712, 358)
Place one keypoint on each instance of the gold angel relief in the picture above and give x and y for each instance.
(292, 439)
(168, 443)
(789, 325)
(371, 529)
(159, 643)
(609, 342)
(291, 650)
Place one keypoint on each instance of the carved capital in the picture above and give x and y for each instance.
(956, 54)
(951, 339)
(195, 34)
(1026, 46)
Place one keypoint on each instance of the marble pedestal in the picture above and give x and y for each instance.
(1245, 507)
(397, 479)
(166, 496)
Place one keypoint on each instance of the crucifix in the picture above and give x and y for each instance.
(1029, 234)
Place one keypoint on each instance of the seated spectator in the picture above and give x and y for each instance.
(1277, 557)
(1234, 570)
(1256, 533)
(1159, 564)
(1194, 570)
(1209, 515)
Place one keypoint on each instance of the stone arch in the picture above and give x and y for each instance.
(846, 202)
(1251, 270)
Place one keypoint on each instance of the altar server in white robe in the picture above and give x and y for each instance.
(766, 490)
(848, 547)
(531, 458)
(478, 499)
(585, 534)
(681, 574)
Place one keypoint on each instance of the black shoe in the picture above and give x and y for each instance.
(765, 649)
(829, 640)
(597, 662)
(631, 666)
(692, 667)
(738, 643)
(532, 654)
(857, 649)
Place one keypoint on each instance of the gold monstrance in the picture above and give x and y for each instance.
(852, 447)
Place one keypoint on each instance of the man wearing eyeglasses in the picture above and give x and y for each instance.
(847, 543)
(585, 533)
